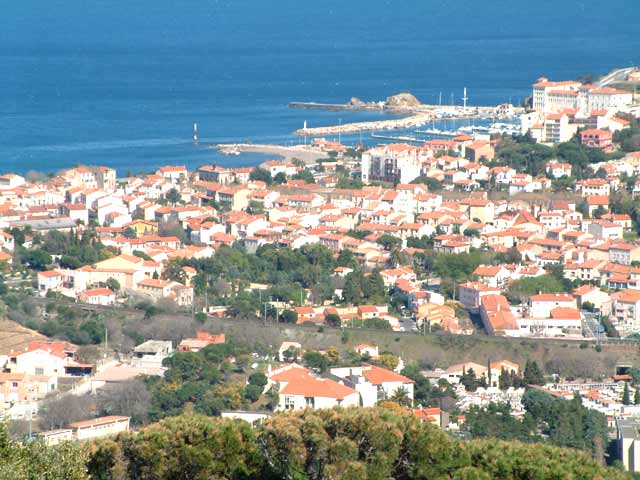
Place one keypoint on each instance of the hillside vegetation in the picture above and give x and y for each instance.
(328, 444)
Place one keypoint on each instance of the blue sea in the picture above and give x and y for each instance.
(120, 83)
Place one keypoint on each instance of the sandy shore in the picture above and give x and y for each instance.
(306, 154)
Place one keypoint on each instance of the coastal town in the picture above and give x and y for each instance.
(123, 295)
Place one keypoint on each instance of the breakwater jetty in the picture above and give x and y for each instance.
(378, 106)
(417, 114)
(413, 121)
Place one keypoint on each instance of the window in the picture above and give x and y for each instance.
(14, 384)
(39, 371)
(289, 403)
(309, 401)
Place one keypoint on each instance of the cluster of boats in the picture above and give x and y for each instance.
(229, 151)
(494, 128)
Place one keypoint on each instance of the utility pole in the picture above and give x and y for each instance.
(265, 313)
(206, 293)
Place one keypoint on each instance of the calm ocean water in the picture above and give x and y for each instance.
(120, 83)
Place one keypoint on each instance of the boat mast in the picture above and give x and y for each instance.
(464, 101)
(195, 133)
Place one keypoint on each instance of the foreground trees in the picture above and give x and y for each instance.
(347, 444)
(34, 460)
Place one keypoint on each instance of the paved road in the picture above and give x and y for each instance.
(407, 323)
(591, 324)
(615, 76)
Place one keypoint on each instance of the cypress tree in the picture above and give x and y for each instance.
(532, 374)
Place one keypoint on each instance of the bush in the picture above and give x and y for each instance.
(289, 316)
(259, 379)
(252, 393)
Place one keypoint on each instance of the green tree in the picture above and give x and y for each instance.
(129, 232)
(37, 259)
(316, 361)
(401, 397)
(174, 270)
(289, 316)
(280, 178)
(305, 175)
(113, 284)
(262, 175)
(374, 289)
(346, 258)
(259, 379)
(333, 320)
(432, 183)
(523, 288)
(372, 443)
(532, 373)
(496, 421)
(389, 242)
(35, 460)
(252, 393)
(469, 380)
(190, 446)
(352, 291)
(505, 380)
(173, 196)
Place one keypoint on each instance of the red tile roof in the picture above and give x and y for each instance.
(377, 376)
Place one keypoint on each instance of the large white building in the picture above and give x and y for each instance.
(549, 97)
(391, 163)
(629, 443)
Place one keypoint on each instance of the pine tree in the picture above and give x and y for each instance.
(626, 398)
(352, 290)
(516, 380)
(374, 290)
(469, 380)
(504, 380)
(532, 374)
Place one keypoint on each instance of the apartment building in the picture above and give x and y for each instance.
(551, 96)
(391, 163)
(597, 138)
(625, 314)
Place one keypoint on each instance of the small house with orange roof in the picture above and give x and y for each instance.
(98, 296)
(202, 340)
(374, 383)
